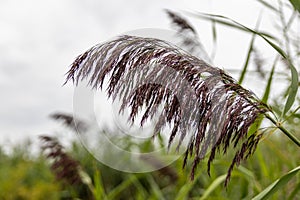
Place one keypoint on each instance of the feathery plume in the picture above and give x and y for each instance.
(63, 166)
(180, 22)
(200, 101)
(70, 121)
(189, 37)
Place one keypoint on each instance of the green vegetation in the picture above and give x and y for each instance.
(25, 177)
(22, 177)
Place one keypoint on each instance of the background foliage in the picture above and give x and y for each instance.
(26, 177)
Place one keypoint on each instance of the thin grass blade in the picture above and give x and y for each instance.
(184, 191)
(267, 5)
(269, 84)
(215, 39)
(125, 184)
(264, 99)
(294, 192)
(294, 74)
(293, 90)
(99, 192)
(296, 4)
(230, 23)
(218, 181)
(155, 188)
(243, 73)
(277, 185)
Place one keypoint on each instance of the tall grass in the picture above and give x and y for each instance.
(272, 166)
(274, 157)
(199, 101)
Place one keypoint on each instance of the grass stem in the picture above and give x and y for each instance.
(285, 131)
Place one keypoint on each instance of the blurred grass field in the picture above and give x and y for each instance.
(23, 176)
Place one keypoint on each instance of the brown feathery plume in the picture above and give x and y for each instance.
(63, 166)
(181, 23)
(70, 121)
(190, 39)
(198, 100)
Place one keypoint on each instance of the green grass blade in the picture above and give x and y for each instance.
(266, 95)
(255, 126)
(184, 191)
(293, 90)
(142, 192)
(97, 189)
(213, 186)
(267, 5)
(246, 172)
(293, 114)
(155, 188)
(294, 74)
(243, 73)
(230, 23)
(99, 192)
(117, 190)
(277, 185)
(294, 192)
(250, 177)
(215, 39)
(296, 4)
(264, 170)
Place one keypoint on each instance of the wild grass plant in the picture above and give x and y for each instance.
(201, 102)
(223, 122)
(274, 157)
(271, 160)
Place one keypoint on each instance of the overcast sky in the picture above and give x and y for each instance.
(40, 39)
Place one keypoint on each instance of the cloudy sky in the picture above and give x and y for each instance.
(40, 39)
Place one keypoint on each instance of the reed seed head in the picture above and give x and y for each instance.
(199, 101)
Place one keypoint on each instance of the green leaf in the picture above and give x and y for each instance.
(213, 186)
(215, 39)
(294, 192)
(187, 187)
(125, 184)
(99, 192)
(184, 191)
(155, 188)
(230, 23)
(296, 4)
(243, 73)
(250, 50)
(277, 185)
(293, 90)
(268, 87)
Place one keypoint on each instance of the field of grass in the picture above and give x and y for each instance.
(23, 176)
